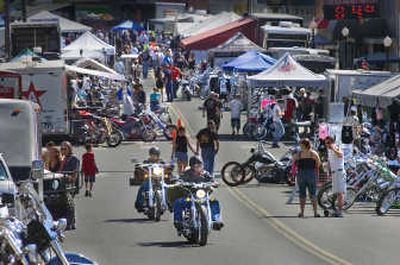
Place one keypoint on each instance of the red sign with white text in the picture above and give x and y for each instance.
(6, 92)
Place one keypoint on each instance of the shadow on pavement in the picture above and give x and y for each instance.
(234, 138)
(281, 217)
(128, 220)
(167, 244)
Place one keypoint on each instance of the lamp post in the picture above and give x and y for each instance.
(387, 42)
(313, 26)
(345, 33)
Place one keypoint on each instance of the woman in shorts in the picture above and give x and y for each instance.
(308, 163)
(180, 149)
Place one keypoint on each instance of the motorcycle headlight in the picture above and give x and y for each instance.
(200, 194)
(55, 184)
(158, 171)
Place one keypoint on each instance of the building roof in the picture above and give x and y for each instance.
(66, 25)
(276, 16)
(383, 93)
(239, 42)
(213, 38)
(209, 23)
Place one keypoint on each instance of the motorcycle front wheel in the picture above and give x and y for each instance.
(158, 208)
(149, 135)
(233, 174)
(327, 200)
(259, 132)
(168, 131)
(387, 200)
(203, 228)
(114, 139)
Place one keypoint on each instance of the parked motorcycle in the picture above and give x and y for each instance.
(261, 165)
(370, 181)
(158, 125)
(184, 88)
(98, 130)
(12, 237)
(197, 222)
(134, 128)
(36, 239)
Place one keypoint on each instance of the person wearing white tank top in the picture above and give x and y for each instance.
(336, 164)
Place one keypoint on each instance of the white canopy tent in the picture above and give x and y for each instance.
(91, 64)
(381, 94)
(87, 45)
(287, 72)
(66, 25)
(75, 69)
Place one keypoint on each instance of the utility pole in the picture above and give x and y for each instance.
(7, 32)
(23, 10)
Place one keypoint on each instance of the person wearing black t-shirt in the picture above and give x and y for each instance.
(213, 108)
(180, 149)
(207, 142)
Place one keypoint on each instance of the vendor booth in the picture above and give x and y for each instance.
(88, 45)
(381, 95)
(66, 25)
(128, 25)
(232, 48)
(287, 72)
(250, 62)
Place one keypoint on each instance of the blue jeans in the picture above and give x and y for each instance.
(208, 156)
(145, 67)
(154, 105)
(139, 197)
(307, 180)
(181, 204)
(279, 131)
(170, 90)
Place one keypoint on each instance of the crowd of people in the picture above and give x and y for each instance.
(159, 53)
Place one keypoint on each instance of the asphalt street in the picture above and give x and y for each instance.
(260, 227)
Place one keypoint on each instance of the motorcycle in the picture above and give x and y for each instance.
(134, 128)
(98, 130)
(261, 165)
(159, 126)
(155, 198)
(184, 88)
(12, 237)
(197, 222)
(41, 236)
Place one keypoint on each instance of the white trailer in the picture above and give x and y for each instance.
(45, 83)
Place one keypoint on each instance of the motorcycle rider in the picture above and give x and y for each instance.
(196, 174)
(154, 158)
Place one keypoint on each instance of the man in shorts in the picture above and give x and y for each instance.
(236, 107)
(336, 164)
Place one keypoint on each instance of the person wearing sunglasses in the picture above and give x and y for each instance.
(336, 165)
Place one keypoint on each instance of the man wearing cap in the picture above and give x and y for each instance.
(207, 141)
(196, 174)
(213, 107)
(154, 158)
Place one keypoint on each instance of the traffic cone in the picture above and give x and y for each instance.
(179, 123)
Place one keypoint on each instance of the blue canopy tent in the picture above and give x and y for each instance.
(128, 25)
(251, 61)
